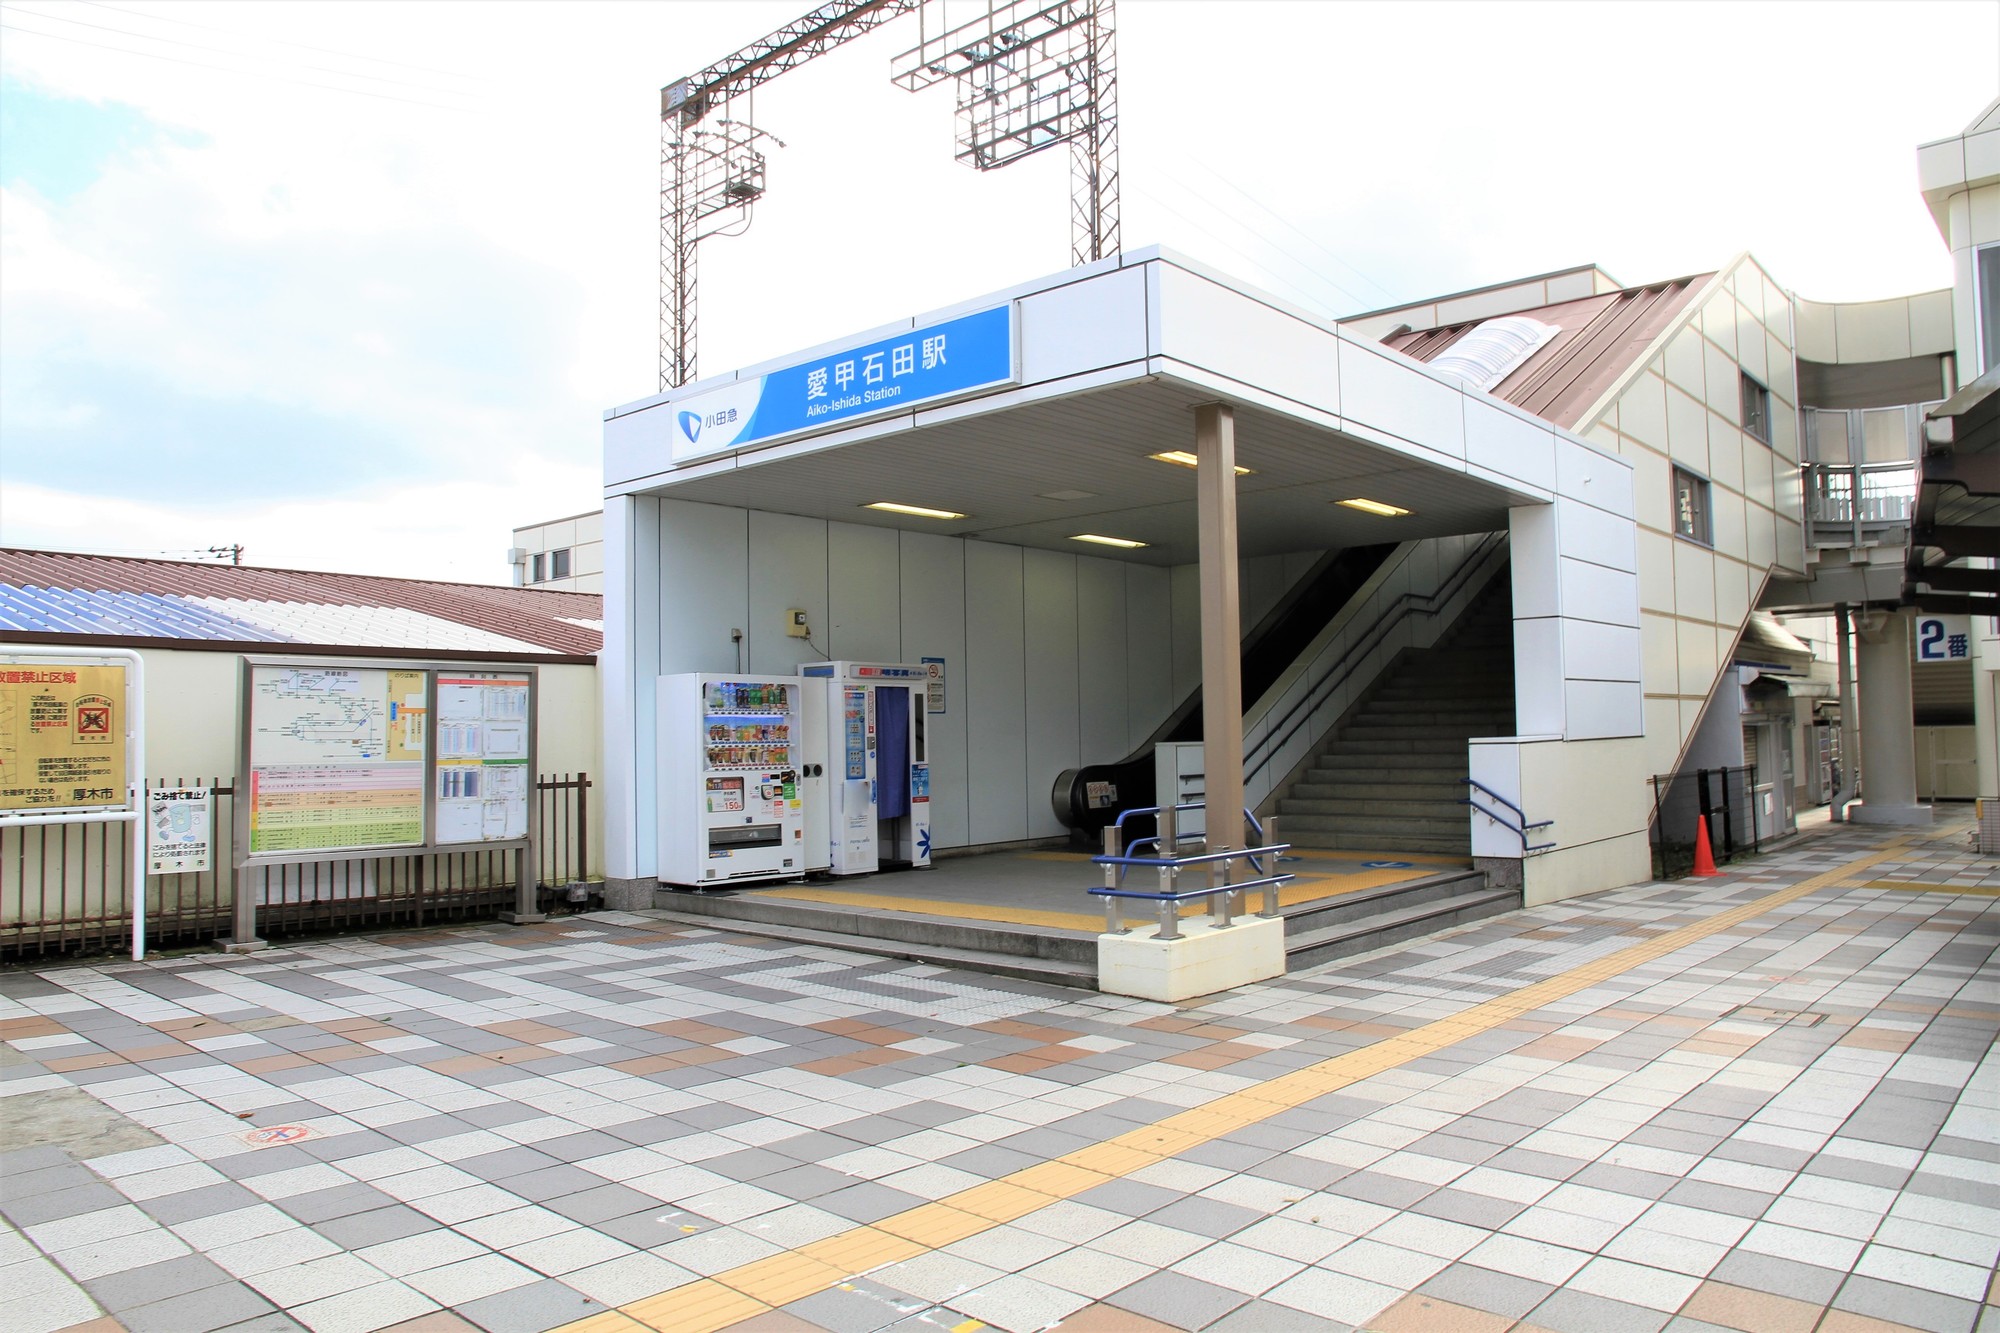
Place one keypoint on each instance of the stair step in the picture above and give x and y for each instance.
(1380, 790)
(1056, 972)
(1311, 948)
(1039, 943)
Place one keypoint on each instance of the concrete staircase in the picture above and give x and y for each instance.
(1390, 776)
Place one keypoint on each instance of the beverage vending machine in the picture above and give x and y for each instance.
(866, 758)
(730, 807)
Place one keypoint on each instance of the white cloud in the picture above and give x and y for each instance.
(343, 300)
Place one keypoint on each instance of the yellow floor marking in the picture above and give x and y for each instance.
(1920, 886)
(714, 1303)
(1308, 887)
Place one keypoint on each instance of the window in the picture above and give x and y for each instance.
(1756, 408)
(1691, 507)
(535, 567)
(1987, 300)
(559, 564)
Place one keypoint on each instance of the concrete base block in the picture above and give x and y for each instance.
(629, 895)
(1202, 961)
(1895, 815)
(523, 918)
(230, 945)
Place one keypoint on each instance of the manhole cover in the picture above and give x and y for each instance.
(1801, 1018)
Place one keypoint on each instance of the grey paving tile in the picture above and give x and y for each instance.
(594, 1205)
(26, 1210)
(1719, 1198)
(1177, 1300)
(867, 1202)
(1374, 1187)
(1899, 1304)
(1205, 1217)
(1581, 1312)
(531, 1309)
(204, 1202)
(1132, 1198)
(1780, 1277)
(1260, 1316)
(340, 1201)
(197, 1311)
(155, 1282)
(357, 1230)
(1624, 1180)
(806, 1182)
(856, 1306)
(550, 1182)
(1483, 1289)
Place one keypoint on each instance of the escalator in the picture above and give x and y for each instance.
(1089, 799)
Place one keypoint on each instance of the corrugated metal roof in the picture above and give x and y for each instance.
(52, 592)
(1600, 338)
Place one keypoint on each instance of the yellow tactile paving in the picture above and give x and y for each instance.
(715, 1303)
(1308, 887)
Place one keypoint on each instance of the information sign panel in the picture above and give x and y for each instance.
(180, 830)
(62, 737)
(1943, 638)
(482, 756)
(336, 758)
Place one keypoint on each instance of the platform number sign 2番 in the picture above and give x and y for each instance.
(1943, 639)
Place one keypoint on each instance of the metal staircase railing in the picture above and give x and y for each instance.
(1519, 825)
(1224, 899)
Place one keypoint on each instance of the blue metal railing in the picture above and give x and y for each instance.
(1224, 899)
(1518, 825)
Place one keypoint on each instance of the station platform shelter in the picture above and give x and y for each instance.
(1089, 497)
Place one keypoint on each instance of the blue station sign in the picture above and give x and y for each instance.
(922, 365)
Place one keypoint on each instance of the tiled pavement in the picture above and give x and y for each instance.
(1768, 1101)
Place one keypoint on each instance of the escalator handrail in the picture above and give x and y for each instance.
(1266, 749)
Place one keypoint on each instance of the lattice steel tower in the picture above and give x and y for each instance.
(1030, 75)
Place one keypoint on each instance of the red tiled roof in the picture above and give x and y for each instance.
(1601, 336)
(531, 615)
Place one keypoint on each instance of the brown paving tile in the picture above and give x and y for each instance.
(437, 1321)
(1167, 1024)
(1556, 1048)
(1218, 1031)
(1111, 1319)
(1993, 1288)
(1057, 1054)
(881, 1056)
(834, 1066)
(96, 1060)
(1846, 1321)
(689, 1030)
(1877, 1041)
(164, 1051)
(333, 1055)
(469, 1064)
(198, 1025)
(1215, 1057)
(1417, 1313)
(1753, 1311)
(271, 1064)
(839, 1027)
(101, 1324)
(1019, 1063)
(527, 1030)
(516, 1055)
(882, 1036)
(11, 1028)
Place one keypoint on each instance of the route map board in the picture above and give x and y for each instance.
(482, 757)
(62, 737)
(336, 757)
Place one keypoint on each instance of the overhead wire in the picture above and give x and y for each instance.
(230, 69)
(1287, 223)
(280, 41)
(217, 50)
(1310, 300)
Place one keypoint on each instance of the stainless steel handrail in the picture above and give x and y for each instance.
(1225, 899)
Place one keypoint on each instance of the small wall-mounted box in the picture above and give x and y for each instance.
(795, 624)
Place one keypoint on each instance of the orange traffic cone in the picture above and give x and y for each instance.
(1704, 859)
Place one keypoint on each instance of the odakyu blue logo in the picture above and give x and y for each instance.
(691, 426)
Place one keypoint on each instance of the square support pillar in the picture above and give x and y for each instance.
(1221, 624)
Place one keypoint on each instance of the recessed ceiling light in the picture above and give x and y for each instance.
(1068, 495)
(1182, 458)
(1374, 507)
(917, 510)
(1123, 543)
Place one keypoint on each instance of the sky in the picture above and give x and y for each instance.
(351, 284)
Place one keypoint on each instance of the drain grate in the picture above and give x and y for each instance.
(1800, 1018)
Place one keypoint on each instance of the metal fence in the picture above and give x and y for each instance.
(66, 888)
(1723, 795)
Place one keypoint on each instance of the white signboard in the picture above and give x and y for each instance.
(1943, 639)
(180, 823)
(482, 757)
(934, 697)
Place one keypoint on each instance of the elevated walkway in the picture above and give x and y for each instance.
(1026, 914)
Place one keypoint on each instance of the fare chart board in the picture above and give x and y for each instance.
(336, 757)
(482, 756)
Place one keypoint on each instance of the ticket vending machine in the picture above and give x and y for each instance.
(730, 807)
(866, 767)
